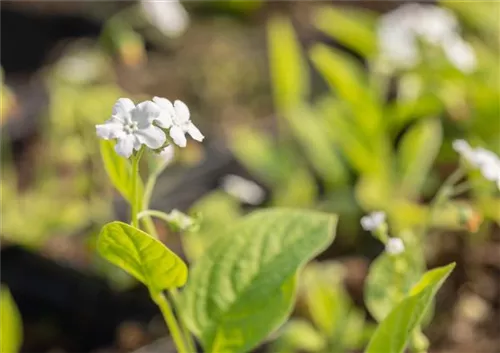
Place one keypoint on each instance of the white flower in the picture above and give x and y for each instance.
(176, 117)
(169, 16)
(132, 126)
(243, 189)
(486, 161)
(394, 246)
(399, 31)
(373, 221)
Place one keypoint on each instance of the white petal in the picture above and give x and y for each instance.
(169, 17)
(111, 129)
(144, 114)
(167, 112)
(194, 132)
(181, 112)
(152, 136)
(394, 246)
(125, 146)
(122, 108)
(177, 135)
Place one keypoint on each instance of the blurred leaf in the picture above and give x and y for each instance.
(298, 190)
(347, 78)
(243, 287)
(327, 301)
(218, 211)
(393, 333)
(417, 152)
(258, 153)
(385, 281)
(353, 28)
(11, 327)
(288, 69)
(142, 256)
(321, 153)
(301, 335)
(119, 170)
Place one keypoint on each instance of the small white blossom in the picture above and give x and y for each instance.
(373, 221)
(176, 117)
(243, 189)
(486, 161)
(399, 31)
(394, 246)
(169, 16)
(132, 125)
(167, 155)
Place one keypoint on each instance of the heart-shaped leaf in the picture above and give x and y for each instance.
(142, 256)
(393, 333)
(11, 328)
(243, 287)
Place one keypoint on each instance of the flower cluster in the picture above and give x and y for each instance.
(400, 30)
(375, 222)
(146, 124)
(486, 161)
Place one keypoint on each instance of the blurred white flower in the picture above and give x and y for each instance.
(394, 246)
(486, 161)
(132, 126)
(243, 189)
(399, 32)
(373, 221)
(167, 154)
(169, 16)
(176, 117)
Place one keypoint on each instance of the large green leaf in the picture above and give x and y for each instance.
(11, 328)
(288, 69)
(418, 150)
(142, 256)
(119, 170)
(394, 332)
(349, 27)
(243, 287)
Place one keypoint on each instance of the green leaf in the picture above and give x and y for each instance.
(384, 281)
(299, 334)
(11, 327)
(142, 256)
(243, 287)
(394, 332)
(311, 133)
(418, 150)
(288, 69)
(349, 27)
(119, 170)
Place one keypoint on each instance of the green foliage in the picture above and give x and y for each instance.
(243, 287)
(119, 170)
(142, 256)
(394, 332)
(387, 279)
(418, 150)
(290, 80)
(11, 327)
(352, 28)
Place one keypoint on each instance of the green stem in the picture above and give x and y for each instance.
(443, 194)
(187, 335)
(135, 206)
(171, 322)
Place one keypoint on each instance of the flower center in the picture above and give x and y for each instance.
(130, 127)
